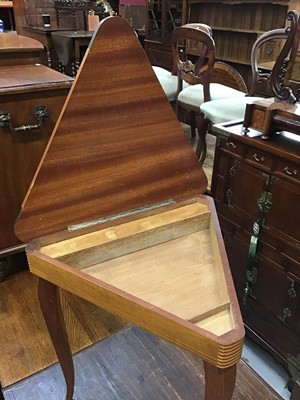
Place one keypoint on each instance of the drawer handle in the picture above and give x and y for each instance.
(40, 113)
(258, 158)
(286, 169)
(231, 144)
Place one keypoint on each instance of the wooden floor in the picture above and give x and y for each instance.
(130, 364)
(134, 365)
(24, 341)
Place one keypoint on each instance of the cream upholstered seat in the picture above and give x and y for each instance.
(224, 110)
(194, 96)
(225, 83)
(172, 82)
(168, 81)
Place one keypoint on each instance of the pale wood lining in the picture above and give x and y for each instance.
(179, 276)
(165, 220)
(218, 323)
(170, 260)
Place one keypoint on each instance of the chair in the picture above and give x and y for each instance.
(225, 82)
(169, 80)
(222, 110)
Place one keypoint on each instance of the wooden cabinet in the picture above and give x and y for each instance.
(31, 98)
(162, 17)
(256, 188)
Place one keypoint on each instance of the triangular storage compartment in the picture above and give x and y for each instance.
(116, 214)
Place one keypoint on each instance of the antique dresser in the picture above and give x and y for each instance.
(116, 215)
(257, 194)
(31, 97)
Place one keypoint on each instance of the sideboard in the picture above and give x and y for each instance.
(256, 189)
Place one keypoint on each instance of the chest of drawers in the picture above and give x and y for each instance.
(256, 188)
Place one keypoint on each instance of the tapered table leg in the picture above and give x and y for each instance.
(51, 308)
(219, 383)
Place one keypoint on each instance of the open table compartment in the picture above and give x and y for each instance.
(116, 215)
(163, 271)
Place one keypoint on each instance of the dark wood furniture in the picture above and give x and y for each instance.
(256, 188)
(234, 36)
(64, 14)
(31, 97)
(7, 15)
(43, 35)
(120, 180)
(70, 47)
(161, 18)
(221, 110)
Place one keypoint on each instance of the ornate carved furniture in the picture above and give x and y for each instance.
(117, 215)
(234, 36)
(217, 111)
(196, 78)
(31, 97)
(73, 14)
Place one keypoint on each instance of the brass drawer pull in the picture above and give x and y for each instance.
(40, 113)
(258, 158)
(286, 169)
(231, 144)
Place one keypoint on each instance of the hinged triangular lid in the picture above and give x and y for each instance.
(117, 144)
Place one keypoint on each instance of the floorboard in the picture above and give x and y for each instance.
(134, 365)
(25, 346)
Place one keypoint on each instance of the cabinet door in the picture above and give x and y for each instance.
(239, 188)
(283, 220)
(271, 287)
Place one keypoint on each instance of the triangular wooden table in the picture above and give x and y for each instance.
(116, 215)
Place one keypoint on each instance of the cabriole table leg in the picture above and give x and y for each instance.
(51, 308)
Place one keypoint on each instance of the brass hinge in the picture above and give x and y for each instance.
(114, 217)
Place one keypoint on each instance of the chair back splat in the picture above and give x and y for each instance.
(276, 75)
(193, 48)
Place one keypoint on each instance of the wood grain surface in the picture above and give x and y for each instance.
(134, 365)
(117, 144)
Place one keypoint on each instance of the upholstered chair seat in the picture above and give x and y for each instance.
(194, 96)
(224, 110)
(168, 81)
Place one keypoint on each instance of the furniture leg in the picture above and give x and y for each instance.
(296, 390)
(1, 393)
(201, 146)
(219, 382)
(51, 308)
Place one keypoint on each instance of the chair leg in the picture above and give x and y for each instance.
(201, 149)
(193, 124)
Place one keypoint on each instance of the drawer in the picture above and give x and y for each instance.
(287, 169)
(259, 158)
(232, 146)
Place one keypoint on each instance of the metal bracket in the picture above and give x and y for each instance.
(40, 113)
